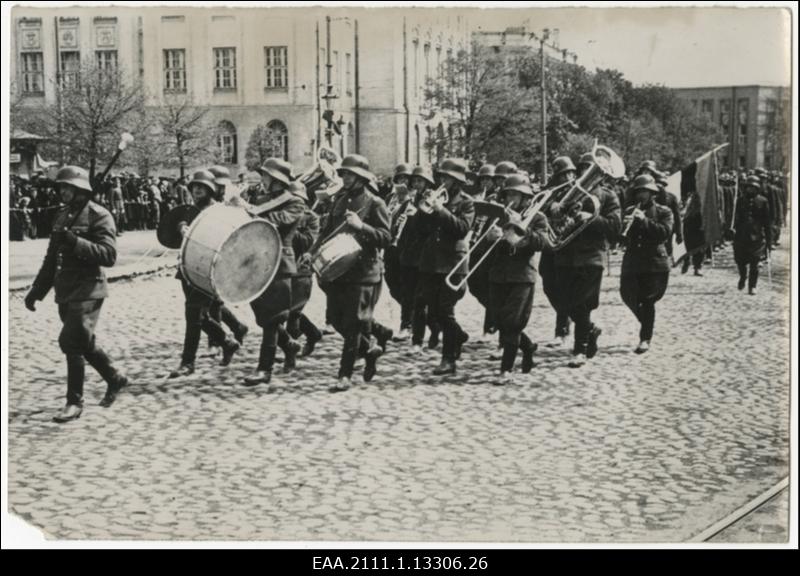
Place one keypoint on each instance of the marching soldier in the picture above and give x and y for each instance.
(647, 167)
(664, 198)
(513, 275)
(278, 206)
(753, 233)
(399, 200)
(351, 297)
(502, 171)
(645, 266)
(445, 220)
(563, 171)
(579, 269)
(306, 234)
(410, 245)
(486, 185)
(693, 235)
(83, 240)
(197, 304)
(220, 312)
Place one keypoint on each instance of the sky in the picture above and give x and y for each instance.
(677, 47)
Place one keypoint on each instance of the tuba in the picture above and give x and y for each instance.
(321, 180)
(565, 205)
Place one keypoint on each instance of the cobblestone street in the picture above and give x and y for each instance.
(650, 448)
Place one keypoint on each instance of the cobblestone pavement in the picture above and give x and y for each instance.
(650, 448)
(767, 524)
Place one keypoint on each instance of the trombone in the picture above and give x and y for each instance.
(539, 201)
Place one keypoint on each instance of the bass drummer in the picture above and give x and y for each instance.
(278, 206)
(198, 304)
(351, 297)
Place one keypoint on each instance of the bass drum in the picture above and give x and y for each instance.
(335, 257)
(230, 255)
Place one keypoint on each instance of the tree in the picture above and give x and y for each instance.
(264, 143)
(491, 113)
(186, 132)
(93, 108)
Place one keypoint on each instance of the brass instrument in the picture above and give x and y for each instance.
(433, 197)
(322, 179)
(402, 220)
(632, 209)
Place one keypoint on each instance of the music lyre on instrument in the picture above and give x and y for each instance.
(322, 179)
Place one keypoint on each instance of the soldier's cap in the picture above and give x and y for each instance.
(518, 183)
(753, 181)
(358, 165)
(505, 168)
(644, 182)
(456, 168)
(204, 178)
(75, 176)
(401, 170)
(278, 169)
(661, 178)
(424, 173)
(563, 164)
(487, 170)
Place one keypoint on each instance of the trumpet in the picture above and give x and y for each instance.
(432, 198)
(632, 219)
(402, 220)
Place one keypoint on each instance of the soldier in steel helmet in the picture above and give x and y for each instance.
(82, 242)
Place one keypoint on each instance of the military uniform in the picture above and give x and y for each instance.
(410, 246)
(83, 241)
(444, 235)
(513, 277)
(646, 266)
(579, 271)
(352, 296)
(397, 204)
(272, 307)
(669, 201)
(753, 235)
(305, 235)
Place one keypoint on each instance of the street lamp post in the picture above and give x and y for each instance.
(542, 40)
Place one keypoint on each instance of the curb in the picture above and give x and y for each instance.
(120, 276)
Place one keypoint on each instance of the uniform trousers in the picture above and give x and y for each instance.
(640, 291)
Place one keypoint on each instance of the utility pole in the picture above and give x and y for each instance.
(328, 85)
(542, 40)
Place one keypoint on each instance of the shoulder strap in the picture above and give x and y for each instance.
(272, 204)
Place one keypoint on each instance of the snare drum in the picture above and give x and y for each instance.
(335, 257)
(230, 255)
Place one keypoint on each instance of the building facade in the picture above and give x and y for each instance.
(351, 79)
(756, 120)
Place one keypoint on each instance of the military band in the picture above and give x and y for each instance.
(431, 241)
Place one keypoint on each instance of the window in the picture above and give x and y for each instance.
(226, 142)
(107, 60)
(772, 109)
(225, 68)
(277, 66)
(429, 144)
(335, 77)
(708, 108)
(427, 52)
(417, 145)
(32, 73)
(440, 143)
(175, 70)
(725, 115)
(438, 60)
(281, 139)
(70, 68)
(416, 69)
(348, 74)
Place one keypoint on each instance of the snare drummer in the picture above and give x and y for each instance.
(198, 304)
(284, 210)
(352, 296)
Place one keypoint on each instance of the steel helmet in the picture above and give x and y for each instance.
(204, 178)
(455, 168)
(563, 164)
(75, 176)
(644, 182)
(358, 165)
(279, 169)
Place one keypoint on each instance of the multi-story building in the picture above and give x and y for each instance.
(756, 120)
(287, 69)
